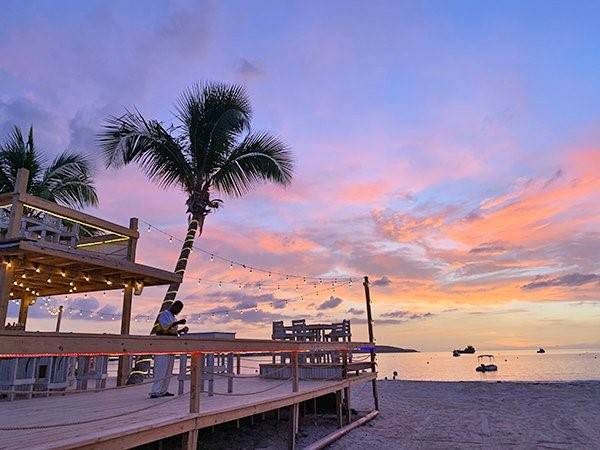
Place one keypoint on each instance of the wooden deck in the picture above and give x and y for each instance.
(126, 417)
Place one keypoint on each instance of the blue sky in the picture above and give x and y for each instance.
(446, 146)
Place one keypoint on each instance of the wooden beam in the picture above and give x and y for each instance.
(331, 438)
(80, 256)
(62, 344)
(76, 216)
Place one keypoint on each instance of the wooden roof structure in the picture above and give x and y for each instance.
(48, 249)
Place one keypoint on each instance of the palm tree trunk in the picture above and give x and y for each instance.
(142, 363)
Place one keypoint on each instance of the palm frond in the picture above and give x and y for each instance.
(16, 153)
(132, 138)
(68, 181)
(259, 157)
(213, 116)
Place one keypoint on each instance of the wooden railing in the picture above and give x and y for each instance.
(19, 344)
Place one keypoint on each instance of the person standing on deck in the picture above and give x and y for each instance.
(166, 325)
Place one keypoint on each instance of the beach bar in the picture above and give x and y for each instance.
(47, 250)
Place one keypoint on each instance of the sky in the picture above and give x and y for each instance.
(448, 150)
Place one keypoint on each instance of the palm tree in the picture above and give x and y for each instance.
(67, 180)
(210, 149)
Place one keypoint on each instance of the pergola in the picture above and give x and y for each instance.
(49, 250)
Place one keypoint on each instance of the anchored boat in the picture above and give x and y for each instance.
(483, 367)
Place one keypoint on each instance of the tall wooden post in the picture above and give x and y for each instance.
(124, 361)
(59, 317)
(371, 340)
(13, 232)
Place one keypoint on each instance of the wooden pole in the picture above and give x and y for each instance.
(59, 317)
(371, 340)
(124, 366)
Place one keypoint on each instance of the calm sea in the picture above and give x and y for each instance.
(513, 365)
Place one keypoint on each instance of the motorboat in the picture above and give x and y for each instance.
(486, 364)
(455, 353)
(541, 350)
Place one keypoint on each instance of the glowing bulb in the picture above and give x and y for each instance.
(23, 276)
(63, 274)
(49, 280)
(212, 258)
(37, 269)
(170, 238)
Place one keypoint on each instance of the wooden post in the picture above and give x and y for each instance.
(295, 377)
(238, 364)
(230, 372)
(338, 408)
(7, 272)
(195, 389)
(371, 340)
(182, 373)
(348, 412)
(59, 317)
(124, 366)
(26, 300)
(292, 427)
(190, 440)
(16, 210)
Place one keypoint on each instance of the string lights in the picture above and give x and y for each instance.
(232, 262)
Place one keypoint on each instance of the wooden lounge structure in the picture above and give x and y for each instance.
(44, 256)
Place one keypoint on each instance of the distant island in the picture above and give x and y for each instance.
(390, 349)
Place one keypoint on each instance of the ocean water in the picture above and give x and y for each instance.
(513, 365)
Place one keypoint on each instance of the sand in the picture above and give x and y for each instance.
(436, 415)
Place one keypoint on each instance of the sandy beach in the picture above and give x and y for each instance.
(438, 415)
(448, 415)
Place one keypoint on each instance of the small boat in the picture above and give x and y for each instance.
(483, 367)
(469, 349)
(541, 350)
(455, 353)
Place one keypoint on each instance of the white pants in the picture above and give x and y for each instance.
(163, 369)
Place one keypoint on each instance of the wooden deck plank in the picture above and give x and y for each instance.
(156, 418)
